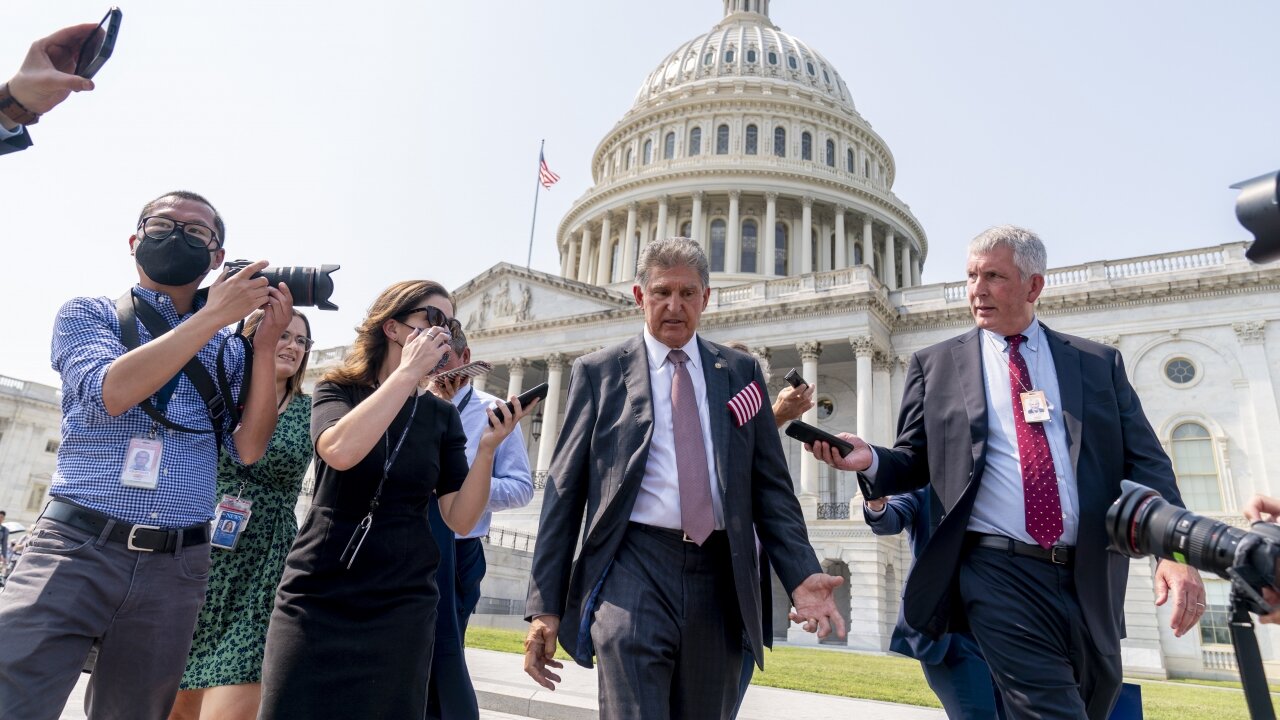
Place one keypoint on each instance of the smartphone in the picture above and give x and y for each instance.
(794, 378)
(471, 369)
(98, 46)
(808, 434)
(537, 392)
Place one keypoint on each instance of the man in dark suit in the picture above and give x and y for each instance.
(670, 449)
(45, 79)
(953, 664)
(1024, 434)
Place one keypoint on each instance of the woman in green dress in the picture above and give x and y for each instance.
(224, 670)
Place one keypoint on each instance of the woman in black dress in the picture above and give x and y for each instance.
(354, 621)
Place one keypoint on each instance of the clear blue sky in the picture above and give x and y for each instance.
(400, 139)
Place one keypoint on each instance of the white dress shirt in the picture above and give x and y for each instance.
(658, 502)
(511, 485)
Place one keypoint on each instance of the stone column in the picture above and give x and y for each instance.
(890, 261)
(769, 233)
(842, 242)
(551, 413)
(864, 348)
(629, 245)
(695, 223)
(915, 270)
(604, 261)
(1258, 400)
(906, 263)
(733, 236)
(584, 255)
(824, 246)
(570, 270)
(883, 422)
(809, 352)
(868, 253)
(516, 367)
(805, 241)
(662, 217)
(646, 232)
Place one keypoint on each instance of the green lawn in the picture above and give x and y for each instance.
(894, 679)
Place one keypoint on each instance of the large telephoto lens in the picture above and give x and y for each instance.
(1140, 522)
(310, 287)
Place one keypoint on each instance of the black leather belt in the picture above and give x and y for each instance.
(1058, 554)
(143, 538)
(679, 534)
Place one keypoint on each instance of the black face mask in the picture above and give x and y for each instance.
(172, 261)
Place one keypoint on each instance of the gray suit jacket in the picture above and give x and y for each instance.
(598, 466)
(942, 439)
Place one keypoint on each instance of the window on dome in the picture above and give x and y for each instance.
(780, 141)
(780, 249)
(695, 141)
(825, 77)
(866, 168)
(709, 58)
(717, 245)
(849, 160)
(792, 63)
(750, 243)
(722, 140)
(773, 58)
(806, 146)
(1196, 468)
(751, 55)
(809, 66)
(728, 55)
(647, 156)
(669, 146)
(857, 254)
(831, 153)
(752, 141)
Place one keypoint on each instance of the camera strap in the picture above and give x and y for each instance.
(129, 312)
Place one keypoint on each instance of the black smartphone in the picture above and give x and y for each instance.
(98, 46)
(794, 378)
(537, 392)
(808, 434)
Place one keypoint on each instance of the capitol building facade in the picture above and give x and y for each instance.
(748, 141)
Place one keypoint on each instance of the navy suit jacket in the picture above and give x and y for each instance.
(942, 441)
(22, 141)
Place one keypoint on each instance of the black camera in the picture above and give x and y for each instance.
(1258, 210)
(309, 286)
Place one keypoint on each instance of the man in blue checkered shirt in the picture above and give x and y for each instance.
(120, 556)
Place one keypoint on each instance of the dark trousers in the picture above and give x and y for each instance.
(450, 693)
(1025, 615)
(667, 630)
(962, 681)
(471, 570)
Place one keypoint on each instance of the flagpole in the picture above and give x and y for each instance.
(537, 187)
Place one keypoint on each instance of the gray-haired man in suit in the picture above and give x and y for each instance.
(671, 481)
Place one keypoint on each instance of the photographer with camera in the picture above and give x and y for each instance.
(1025, 434)
(45, 79)
(120, 556)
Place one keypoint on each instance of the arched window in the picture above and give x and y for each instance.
(773, 58)
(751, 55)
(717, 245)
(752, 141)
(615, 260)
(806, 146)
(686, 229)
(750, 244)
(728, 55)
(780, 249)
(1194, 464)
(647, 156)
(831, 153)
(848, 156)
(695, 141)
(780, 141)
(791, 62)
(669, 146)
(809, 66)
(627, 163)
(722, 140)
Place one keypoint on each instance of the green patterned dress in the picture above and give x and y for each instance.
(232, 628)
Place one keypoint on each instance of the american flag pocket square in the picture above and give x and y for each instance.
(746, 403)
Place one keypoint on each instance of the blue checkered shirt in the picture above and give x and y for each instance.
(86, 340)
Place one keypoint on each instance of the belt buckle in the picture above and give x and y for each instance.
(685, 537)
(133, 532)
(1053, 554)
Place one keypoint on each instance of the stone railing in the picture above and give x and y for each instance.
(30, 390)
(761, 290)
(513, 539)
(833, 511)
(1218, 659)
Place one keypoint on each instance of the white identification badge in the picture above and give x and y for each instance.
(229, 521)
(1035, 406)
(142, 463)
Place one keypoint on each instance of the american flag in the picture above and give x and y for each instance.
(548, 178)
(746, 403)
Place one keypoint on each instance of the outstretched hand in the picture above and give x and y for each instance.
(47, 77)
(857, 460)
(814, 607)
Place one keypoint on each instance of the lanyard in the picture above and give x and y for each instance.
(362, 530)
(463, 405)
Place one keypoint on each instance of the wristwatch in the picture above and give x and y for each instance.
(15, 110)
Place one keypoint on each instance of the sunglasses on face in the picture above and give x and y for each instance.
(435, 318)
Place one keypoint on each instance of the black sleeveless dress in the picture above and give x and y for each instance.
(356, 643)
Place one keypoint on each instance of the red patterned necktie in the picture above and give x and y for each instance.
(1039, 480)
(696, 518)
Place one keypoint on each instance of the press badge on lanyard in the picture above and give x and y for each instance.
(230, 519)
(1035, 406)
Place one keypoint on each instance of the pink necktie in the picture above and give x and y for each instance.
(1039, 480)
(696, 518)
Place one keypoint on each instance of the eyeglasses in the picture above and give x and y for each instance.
(303, 342)
(435, 318)
(158, 227)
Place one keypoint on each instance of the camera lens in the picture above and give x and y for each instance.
(1140, 522)
(309, 286)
